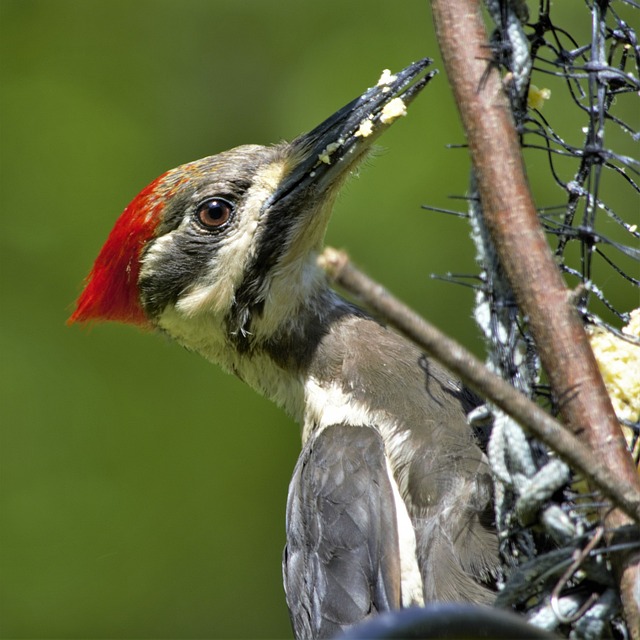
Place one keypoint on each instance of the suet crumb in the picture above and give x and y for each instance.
(537, 97)
(392, 110)
(365, 129)
(619, 363)
(325, 154)
(385, 78)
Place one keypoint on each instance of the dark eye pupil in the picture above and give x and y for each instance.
(214, 213)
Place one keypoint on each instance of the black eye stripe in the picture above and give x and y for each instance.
(214, 213)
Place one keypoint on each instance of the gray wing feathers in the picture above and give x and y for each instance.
(341, 562)
(452, 514)
(457, 548)
(442, 474)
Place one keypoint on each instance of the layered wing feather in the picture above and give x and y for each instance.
(341, 562)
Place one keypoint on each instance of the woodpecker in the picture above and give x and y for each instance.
(390, 501)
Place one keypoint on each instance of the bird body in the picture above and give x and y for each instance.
(390, 501)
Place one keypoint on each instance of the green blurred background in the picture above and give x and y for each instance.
(142, 490)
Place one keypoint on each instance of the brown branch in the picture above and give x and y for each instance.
(476, 374)
(512, 220)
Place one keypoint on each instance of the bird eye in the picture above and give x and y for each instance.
(214, 213)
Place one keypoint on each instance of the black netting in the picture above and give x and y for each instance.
(573, 81)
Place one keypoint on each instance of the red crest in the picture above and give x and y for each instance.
(111, 289)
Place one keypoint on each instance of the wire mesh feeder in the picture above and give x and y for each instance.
(557, 567)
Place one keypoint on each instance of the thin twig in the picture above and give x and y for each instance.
(475, 374)
(580, 556)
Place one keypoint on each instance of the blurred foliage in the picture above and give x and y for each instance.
(142, 490)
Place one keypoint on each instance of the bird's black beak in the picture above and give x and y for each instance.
(329, 151)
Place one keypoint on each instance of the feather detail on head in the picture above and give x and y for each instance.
(111, 288)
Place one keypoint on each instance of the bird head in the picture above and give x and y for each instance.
(231, 240)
